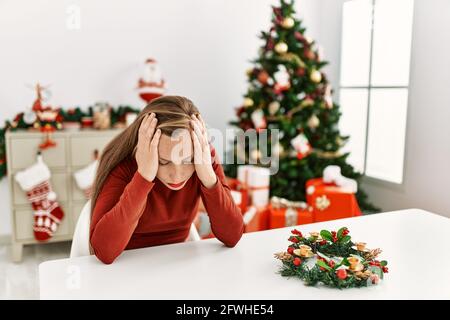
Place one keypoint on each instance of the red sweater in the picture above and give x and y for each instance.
(132, 212)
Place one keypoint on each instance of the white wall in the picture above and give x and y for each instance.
(203, 47)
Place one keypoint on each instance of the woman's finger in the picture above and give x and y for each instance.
(152, 127)
(204, 128)
(197, 148)
(202, 121)
(198, 131)
(200, 124)
(145, 123)
(204, 138)
(155, 140)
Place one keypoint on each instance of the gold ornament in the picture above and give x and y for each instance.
(277, 149)
(314, 234)
(360, 246)
(248, 102)
(322, 202)
(355, 264)
(281, 47)
(304, 251)
(287, 23)
(249, 72)
(274, 106)
(308, 102)
(293, 58)
(315, 76)
(255, 154)
(313, 122)
(327, 154)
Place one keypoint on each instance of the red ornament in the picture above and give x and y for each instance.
(309, 54)
(270, 44)
(299, 36)
(323, 242)
(385, 269)
(263, 77)
(341, 274)
(295, 231)
(290, 250)
(294, 239)
(300, 72)
(331, 263)
(297, 262)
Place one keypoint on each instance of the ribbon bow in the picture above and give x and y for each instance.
(332, 174)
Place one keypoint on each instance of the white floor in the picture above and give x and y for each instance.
(20, 280)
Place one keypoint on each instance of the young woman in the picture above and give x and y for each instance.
(146, 194)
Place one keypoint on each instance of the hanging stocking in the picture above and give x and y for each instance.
(47, 213)
(85, 177)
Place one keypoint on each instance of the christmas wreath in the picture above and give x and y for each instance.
(332, 259)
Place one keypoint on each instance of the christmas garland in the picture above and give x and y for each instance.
(117, 116)
(332, 259)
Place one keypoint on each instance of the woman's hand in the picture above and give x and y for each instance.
(147, 147)
(202, 153)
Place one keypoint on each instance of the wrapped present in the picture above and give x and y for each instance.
(257, 181)
(330, 201)
(256, 219)
(239, 192)
(285, 213)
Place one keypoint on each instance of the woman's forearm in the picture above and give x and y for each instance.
(113, 227)
(226, 218)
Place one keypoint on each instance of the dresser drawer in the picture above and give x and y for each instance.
(82, 148)
(24, 221)
(23, 152)
(59, 185)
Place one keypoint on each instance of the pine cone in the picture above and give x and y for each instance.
(362, 274)
(372, 254)
(283, 256)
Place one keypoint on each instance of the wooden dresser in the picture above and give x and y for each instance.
(74, 151)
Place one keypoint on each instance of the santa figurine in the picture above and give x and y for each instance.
(151, 85)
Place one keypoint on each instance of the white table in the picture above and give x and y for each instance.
(415, 242)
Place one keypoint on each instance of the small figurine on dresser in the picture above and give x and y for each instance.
(45, 118)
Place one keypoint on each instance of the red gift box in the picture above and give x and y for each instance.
(285, 213)
(329, 201)
(239, 187)
(256, 219)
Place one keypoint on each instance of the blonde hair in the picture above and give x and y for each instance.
(172, 112)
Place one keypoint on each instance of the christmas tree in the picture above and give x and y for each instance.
(289, 92)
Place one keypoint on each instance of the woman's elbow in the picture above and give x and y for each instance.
(102, 254)
(105, 258)
(230, 243)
